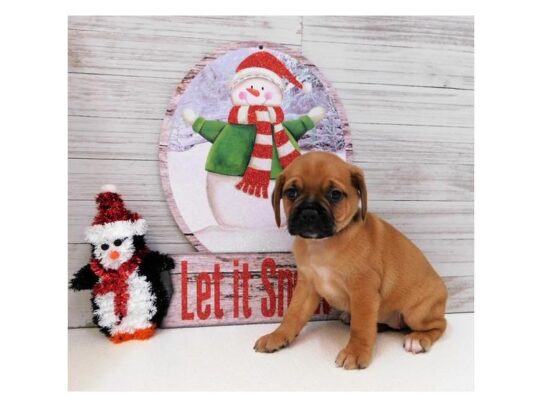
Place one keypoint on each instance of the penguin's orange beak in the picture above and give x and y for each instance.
(253, 92)
(114, 255)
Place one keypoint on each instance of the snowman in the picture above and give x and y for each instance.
(250, 150)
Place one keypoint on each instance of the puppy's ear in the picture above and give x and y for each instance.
(276, 197)
(358, 181)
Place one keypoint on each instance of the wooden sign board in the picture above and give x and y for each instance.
(200, 152)
(247, 288)
(230, 288)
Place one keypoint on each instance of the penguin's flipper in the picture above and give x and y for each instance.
(156, 266)
(168, 264)
(84, 279)
(161, 264)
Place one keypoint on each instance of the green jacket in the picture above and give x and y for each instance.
(233, 144)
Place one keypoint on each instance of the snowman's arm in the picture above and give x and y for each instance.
(209, 129)
(299, 127)
(84, 279)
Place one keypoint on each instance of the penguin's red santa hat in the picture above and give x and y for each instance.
(113, 220)
(263, 64)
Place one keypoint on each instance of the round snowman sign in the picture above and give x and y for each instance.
(237, 119)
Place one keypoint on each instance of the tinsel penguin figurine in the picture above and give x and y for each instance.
(131, 285)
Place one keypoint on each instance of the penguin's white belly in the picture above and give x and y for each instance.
(141, 307)
(234, 208)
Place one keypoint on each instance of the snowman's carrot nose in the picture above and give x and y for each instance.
(253, 92)
(114, 255)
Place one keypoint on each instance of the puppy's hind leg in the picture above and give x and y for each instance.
(427, 322)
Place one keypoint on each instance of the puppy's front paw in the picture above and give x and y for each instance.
(271, 342)
(352, 357)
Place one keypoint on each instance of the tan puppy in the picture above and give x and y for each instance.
(356, 261)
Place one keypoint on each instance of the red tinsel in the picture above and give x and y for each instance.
(115, 281)
(111, 209)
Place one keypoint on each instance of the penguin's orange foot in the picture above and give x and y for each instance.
(140, 334)
(119, 338)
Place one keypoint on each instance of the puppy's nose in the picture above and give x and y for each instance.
(309, 215)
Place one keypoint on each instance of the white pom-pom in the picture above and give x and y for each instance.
(307, 87)
(317, 113)
(108, 188)
(189, 116)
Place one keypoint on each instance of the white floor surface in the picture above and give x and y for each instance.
(221, 358)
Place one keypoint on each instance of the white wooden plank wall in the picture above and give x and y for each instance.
(406, 83)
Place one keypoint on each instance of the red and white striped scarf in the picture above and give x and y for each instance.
(268, 121)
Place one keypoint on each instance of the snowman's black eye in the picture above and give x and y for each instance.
(117, 242)
(262, 87)
(251, 87)
(104, 246)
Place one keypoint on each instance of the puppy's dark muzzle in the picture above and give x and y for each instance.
(311, 220)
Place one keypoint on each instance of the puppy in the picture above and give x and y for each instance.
(356, 261)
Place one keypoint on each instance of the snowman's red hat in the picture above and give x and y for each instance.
(113, 220)
(263, 64)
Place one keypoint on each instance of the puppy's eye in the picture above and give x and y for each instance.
(104, 246)
(335, 195)
(291, 194)
(118, 242)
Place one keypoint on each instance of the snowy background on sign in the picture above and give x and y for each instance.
(208, 95)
